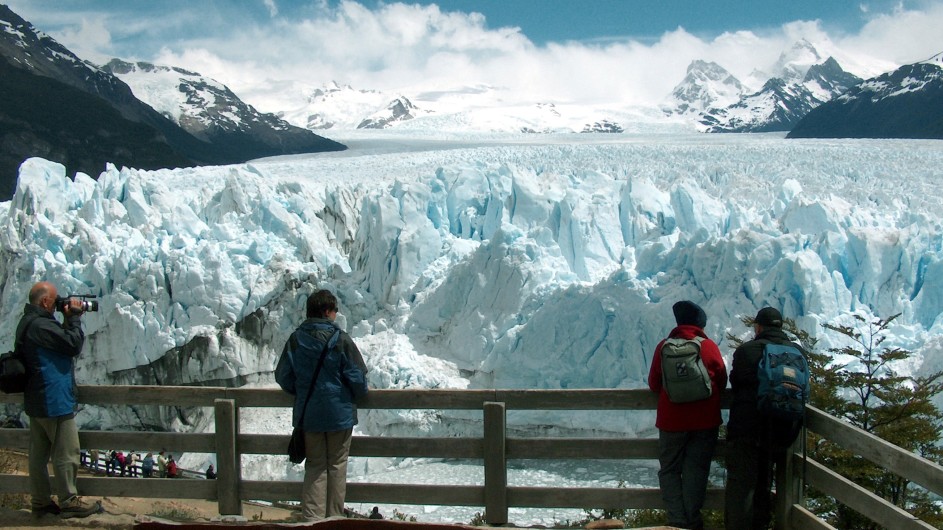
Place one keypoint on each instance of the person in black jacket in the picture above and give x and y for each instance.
(753, 441)
(49, 350)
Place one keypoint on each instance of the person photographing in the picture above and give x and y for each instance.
(49, 350)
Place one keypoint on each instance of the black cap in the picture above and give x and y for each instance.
(769, 317)
(687, 312)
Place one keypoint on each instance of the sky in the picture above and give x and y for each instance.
(600, 51)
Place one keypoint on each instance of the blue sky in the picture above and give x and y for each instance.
(541, 21)
(629, 51)
(562, 20)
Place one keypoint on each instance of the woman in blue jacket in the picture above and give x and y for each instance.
(331, 412)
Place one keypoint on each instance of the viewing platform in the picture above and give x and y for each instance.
(494, 449)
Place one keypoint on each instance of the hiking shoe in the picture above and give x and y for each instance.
(76, 507)
(49, 509)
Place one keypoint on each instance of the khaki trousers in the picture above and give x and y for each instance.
(325, 484)
(56, 438)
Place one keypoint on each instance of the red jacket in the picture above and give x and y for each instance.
(696, 415)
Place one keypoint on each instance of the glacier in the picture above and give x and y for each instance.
(477, 261)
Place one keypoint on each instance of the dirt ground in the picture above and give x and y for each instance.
(123, 512)
(126, 512)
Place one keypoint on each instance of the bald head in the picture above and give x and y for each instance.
(43, 294)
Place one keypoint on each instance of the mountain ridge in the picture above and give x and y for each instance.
(782, 102)
(211, 112)
(905, 103)
(36, 54)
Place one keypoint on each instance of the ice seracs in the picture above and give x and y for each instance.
(529, 261)
(465, 253)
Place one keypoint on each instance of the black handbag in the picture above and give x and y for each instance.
(296, 445)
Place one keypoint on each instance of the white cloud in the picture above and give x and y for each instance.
(87, 39)
(410, 48)
(901, 36)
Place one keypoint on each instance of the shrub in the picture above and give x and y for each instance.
(175, 511)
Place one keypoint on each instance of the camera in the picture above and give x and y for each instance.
(87, 305)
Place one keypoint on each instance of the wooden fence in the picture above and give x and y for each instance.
(494, 449)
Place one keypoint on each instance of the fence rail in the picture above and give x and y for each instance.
(494, 448)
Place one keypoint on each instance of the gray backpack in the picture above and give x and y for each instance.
(683, 374)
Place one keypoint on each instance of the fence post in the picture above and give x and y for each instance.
(229, 472)
(496, 471)
(787, 486)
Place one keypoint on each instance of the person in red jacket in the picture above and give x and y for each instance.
(687, 432)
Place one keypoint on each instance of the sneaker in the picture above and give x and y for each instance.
(76, 507)
(49, 509)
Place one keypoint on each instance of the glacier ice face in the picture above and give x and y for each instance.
(546, 262)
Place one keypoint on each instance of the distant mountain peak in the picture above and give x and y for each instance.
(782, 102)
(706, 85)
(794, 62)
(400, 109)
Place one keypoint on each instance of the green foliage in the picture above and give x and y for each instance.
(478, 520)
(400, 516)
(859, 383)
(641, 518)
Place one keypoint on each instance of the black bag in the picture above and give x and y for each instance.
(13, 374)
(296, 446)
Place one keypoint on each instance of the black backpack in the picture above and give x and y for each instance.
(13, 374)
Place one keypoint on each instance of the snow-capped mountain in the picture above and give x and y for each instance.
(604, 126)
(29, 49)
(459, 111)
(344, 107)
(706, 85)
(86, 117)
(56, 105)
(905, 103)
(794, 63)
(400, 109)
(211, 112)
(780, 104)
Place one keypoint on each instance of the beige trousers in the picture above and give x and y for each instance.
(325, 484)
(56, 438)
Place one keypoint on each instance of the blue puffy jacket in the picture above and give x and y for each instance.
(341, 382)
(49, 350)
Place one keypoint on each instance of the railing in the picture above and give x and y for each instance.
(903, 463)
(494, 448)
